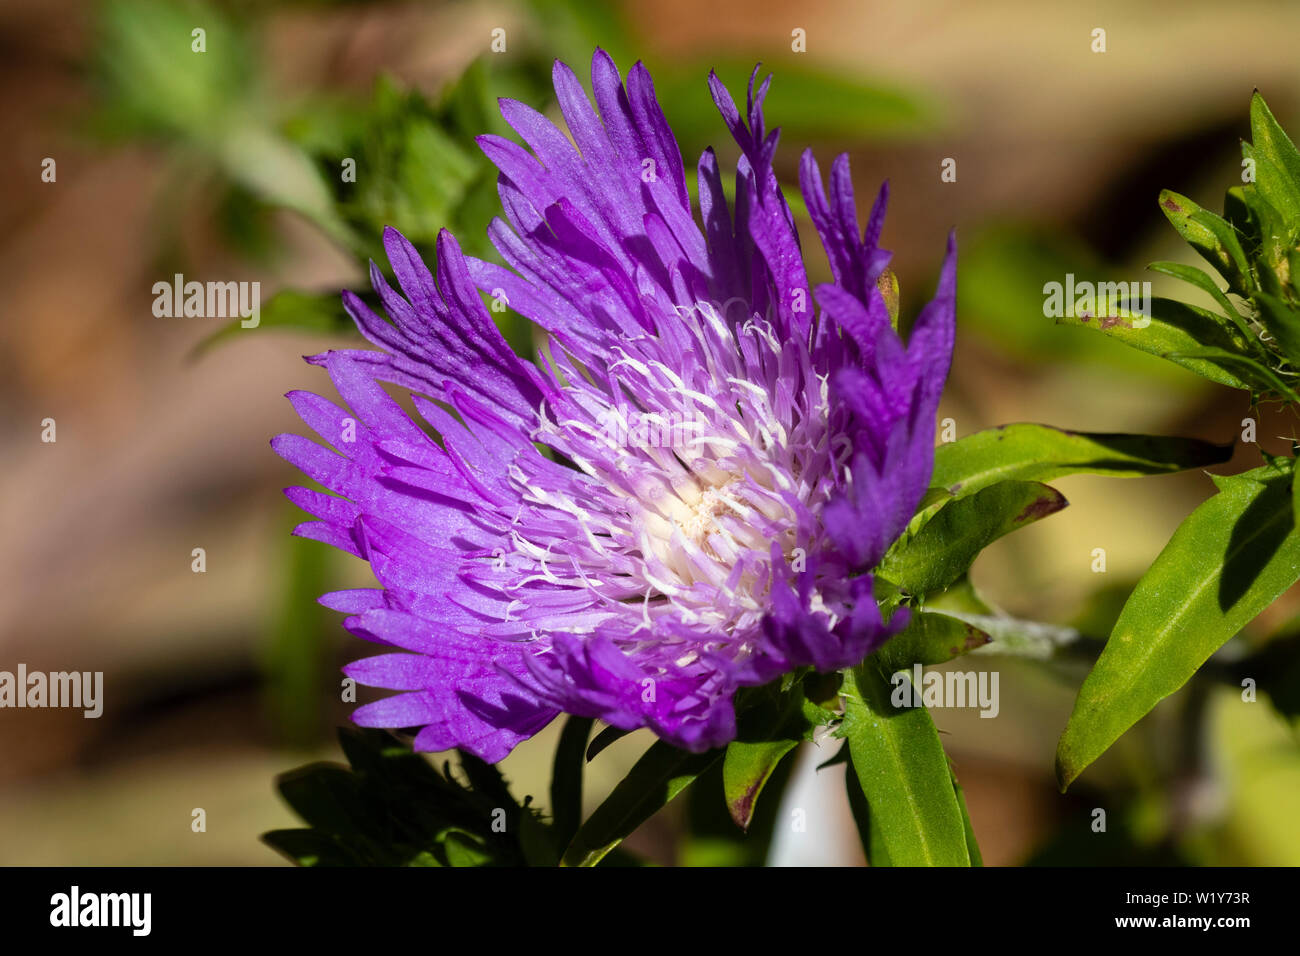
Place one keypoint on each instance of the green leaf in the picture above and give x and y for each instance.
(659, 776)
(1237, 211)
(307, 847)
(771, 721)
(1272, 188)
(1209, 235)
(325, 796)
(271, 167)
(413, 170)
(1226, 237)
(392, 808)
(972, 845)
(1259, 377)
(1172, 329)
(464, 849)
(1283, 322)
(1202, 281)
(1277, 164)
(566, 778)
(943, 550)
(603, 739)
(1029, 452)
(873, 841)
(904, 775)
(930, 639)
(746, 769)
(1270, 140)
(1231, 558)
(1273, 233)
(1295, 495)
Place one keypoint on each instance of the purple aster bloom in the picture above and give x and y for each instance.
(684, 495)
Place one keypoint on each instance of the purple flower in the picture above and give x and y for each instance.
(686, 493)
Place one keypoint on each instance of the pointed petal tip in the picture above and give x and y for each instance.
(601, 56)
(446, 242)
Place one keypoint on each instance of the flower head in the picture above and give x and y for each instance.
(684, 495)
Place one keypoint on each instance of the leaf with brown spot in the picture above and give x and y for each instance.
(1173, 331)
(746, 769)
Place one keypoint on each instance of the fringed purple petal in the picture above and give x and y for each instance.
(684, 495)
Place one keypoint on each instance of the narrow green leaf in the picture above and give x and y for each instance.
(972, 845)
(1295, 495)
(1202, 281)
(309, 848)
(1238, 272)
(1237, 210)
(868, 827)
(1275, 189)
(566, 778)
(943, 550)
(903, 771)
(1231, 558)
(1029, 452)
(660, 775)
(603, 739)
(1257, 376)
(1277, 170)
(1268, 137)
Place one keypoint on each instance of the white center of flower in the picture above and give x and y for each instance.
(700, 522)
(699, 469)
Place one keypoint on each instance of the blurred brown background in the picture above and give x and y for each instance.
(1060, 154)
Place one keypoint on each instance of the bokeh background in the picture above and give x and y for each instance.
(224, 165)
